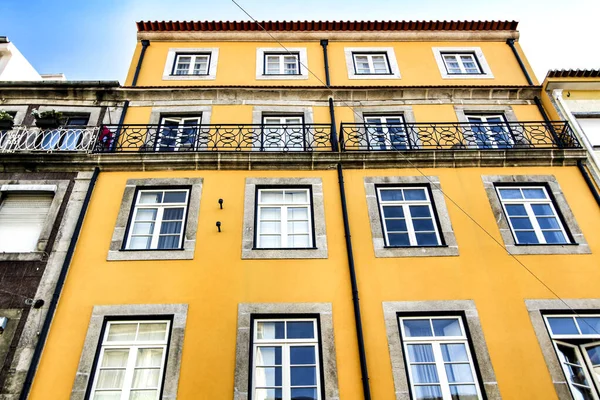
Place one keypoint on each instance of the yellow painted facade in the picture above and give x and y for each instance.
(217, 280)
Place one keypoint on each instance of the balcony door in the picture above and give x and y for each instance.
(488, 132)
(281, 133)
(67, 137)
(178, 133)
(386, 132)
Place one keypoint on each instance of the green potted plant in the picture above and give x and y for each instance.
(47, 119)
(7, 121)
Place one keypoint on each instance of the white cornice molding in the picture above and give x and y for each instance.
(294, 36)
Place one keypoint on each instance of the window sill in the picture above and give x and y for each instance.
(24, 256)
(188, 77)
(416, 251)
(148, 255)
(194, 75)
(290, 253)
(467, 76)
(547, 249)
(281, 77)
(416, 247)
(374, 76)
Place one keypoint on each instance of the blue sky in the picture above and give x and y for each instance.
(94, 39)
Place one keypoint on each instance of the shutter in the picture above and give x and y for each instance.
(22, 217)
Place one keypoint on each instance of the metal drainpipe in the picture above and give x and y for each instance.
(355, 301)
(333, 136)
(511, 43)
(115, 141)
(145, 44)
(43, 335)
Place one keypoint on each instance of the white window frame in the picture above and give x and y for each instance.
(405, 204)
(484, 68)
(193, 58)
(180, 127)
(133, 347)
(458, 57)
(394, 71)
(271, 123)
(299, 52)
(159, 215)
(281, 61)
(284, 216)
(436, 342)
(172, 56)
(373, 142)
(530, 214)
(285, 345)
(487, 127)
(586, 365)
(372, 63)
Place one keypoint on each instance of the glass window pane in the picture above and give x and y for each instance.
(459, 373)
(300, 330)
(391, 195)
(589, 325)
(463, 392)
(594, 355)
(146, 214)
(417, 327)
(526, 237)
(395, 225)
(542, 209)
(171, 228)
(270, 330)
(140, 243)
(146, 378)
(303, 376)
(427, 239)
(270, 242)
(454, 352)
(563, 326)
(270, 213)
(428, 393)
(398, 239)
(268, 355)
(446, 327)
(152, 331)
(415, 194)
(110, 379)
(302, 355)
(420, 353)
(143, 228)
(268, 394)
(423, 225)
(168, 242)
(296, 197)
(149, 358)
(304, 394)
(170, 214)
(270, 227)
(554, 237)
(424, 373)
(419, 211)
(297, 213)
(268, 376)
(534, 193)
(150, 197)
(115, 358)
(299, 241)
(271, 197)
(113, 395)
(297, 227)
(121, 332)
(143, 395)
(521, 223)
(548, 223)
(175, 197)
(393, 212)
(515, 209)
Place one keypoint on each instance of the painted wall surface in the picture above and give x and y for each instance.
(416, 61)
(217, 280)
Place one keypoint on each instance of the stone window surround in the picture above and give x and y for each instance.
(59, 189)
(485, 68)
(464, 308)
(116, 251)
(391, 56)
(326, 341)
(158, 113)
(536, 309)
(579, 246)
(93, 112)
(258, 112)
(450, 247)
(103, 313)
(318, 220)
(462, 111)
(212, 67)
(260, 63)
(20, 112)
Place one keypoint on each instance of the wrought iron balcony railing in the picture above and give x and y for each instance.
(416, 136)
(217, 137)
(33, 139)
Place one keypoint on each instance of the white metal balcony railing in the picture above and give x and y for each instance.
(33, 139)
